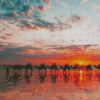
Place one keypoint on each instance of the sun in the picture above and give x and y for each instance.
(80, 63)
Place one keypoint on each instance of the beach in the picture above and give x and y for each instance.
(72, 85)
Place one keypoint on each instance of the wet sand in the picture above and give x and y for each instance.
(72, 85)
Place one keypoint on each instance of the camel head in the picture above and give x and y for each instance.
(61, 67)
(95, 66)
(70, 66)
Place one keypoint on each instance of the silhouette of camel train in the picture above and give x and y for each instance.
(28, 66)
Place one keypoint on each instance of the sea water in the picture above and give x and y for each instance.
(72, 85)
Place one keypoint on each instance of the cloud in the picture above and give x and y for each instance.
(16, 51)
(87, 46)
(18, 55)
(70, 48)
(64, 4)
(29, 14)
(83, 1)
(7, 36)
(42, 8)
(96, 6)
(74, 18)
(2, 46)
(43, 0)
(96, 57)
(97, 15)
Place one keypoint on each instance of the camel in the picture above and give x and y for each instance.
(65, 67)
(41, 67)
(75, 67)
(28, 66)
(97, 67)
(16, 67)
(88, 67)
(7, 71)
(53, 67)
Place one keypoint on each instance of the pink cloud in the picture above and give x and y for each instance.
(28, 1)
(96, 6)
(43, 8)
(40, 8)
(84, 1)
(97, 15)
(10, 35)
(64, 4)
(43, 0)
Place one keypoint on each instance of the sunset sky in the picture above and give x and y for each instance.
(61, 31)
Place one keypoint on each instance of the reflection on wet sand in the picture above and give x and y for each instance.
(27, 77)
(54, 84)
(78, 78)
(7, 71)
(14, 77)
(89, 75)
(42, 76)
(54, 76)
(98, 76)
(66, 76)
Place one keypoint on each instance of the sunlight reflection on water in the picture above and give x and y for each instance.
(69, 85)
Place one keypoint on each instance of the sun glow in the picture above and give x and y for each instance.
(81, 62)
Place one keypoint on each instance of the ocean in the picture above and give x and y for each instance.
(72, 85)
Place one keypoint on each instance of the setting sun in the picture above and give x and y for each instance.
(80, 63)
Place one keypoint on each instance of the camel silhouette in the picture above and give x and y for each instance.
(16, 67)
(75, 67)
(7, 71)
(28, 66)
(65, 67)
(88, 67)
(97, 67)
(41, 67)
(53, 66)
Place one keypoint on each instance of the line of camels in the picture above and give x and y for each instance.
(52, 67)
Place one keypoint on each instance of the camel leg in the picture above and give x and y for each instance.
(45, 70)
(26, 70)
(13, 71)
(31, 72)
(21, 71)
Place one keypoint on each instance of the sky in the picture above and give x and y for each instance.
(50, 31)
